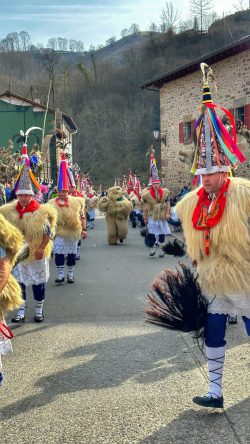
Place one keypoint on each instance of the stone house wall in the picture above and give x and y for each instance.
(180, 101)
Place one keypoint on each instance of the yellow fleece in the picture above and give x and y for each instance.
(69, 223)
(226, 270)
(11, 240)
(31, 225)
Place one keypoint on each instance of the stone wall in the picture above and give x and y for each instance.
(180, 101)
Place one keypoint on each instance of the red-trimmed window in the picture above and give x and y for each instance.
(247, 116)
(181, 135)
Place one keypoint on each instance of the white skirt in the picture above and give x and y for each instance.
(33, 273)
(233, 304)
(158, 227)
(64, 246)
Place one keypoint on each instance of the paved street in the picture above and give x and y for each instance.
(93, 372)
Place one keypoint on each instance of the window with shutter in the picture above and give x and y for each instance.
(181, 135)
(247, 116)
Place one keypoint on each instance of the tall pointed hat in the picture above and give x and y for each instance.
(153, 170)
(26, 182)
(216, 150)
(64, 181)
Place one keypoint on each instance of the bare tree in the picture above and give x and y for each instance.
(153, 27)
(52, 43)
(50, 62)
(25, 40)
(124, 32)
(111, 40)
(170, 16)
(79, 46)
(201, 9)
(134, 29)
(240, 5)
(72, 45)
(185, 25)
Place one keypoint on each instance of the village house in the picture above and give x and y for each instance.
(57, 129)
(180, 96)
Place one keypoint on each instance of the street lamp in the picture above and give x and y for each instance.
(157, 136)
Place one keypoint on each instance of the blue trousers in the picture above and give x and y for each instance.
(215, 329)
(152, 239)
(59, 260)
(38, 292)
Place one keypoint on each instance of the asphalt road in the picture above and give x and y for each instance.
(93, 372)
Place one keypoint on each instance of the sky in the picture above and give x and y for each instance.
(91, 21)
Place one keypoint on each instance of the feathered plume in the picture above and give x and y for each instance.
(177, 302)
(174, 247)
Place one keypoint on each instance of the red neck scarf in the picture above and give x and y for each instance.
(208, 213)
(61, 203)
(33, 206)
(154, 193)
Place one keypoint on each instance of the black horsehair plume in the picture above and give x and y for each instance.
(177, 301)
(174, 247)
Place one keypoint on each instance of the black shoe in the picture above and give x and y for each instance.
(232, 319)
(39, 318)
(209, 401)
(59, 280)
(70, 280)
(121, 241)
(17, 319)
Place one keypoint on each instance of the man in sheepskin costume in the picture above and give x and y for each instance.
(156, 210)
(215, 222)
(71, 225)
(117, 209)
(37, 223)
(11, 242)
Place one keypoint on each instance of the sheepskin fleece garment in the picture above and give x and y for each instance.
(68, 223)
(11, 240)
(226, 270)
(117, 209)
(31, 225)
(155, 210)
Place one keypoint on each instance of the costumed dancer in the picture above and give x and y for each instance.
(71, 225)
(117, 209)
(156, 210)
(215, 222)
(37, 223)
(80, 195)
(91, 205)
(11, 242)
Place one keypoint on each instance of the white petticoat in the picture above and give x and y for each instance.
(65, 246)
(158, 227)
(233, 304)
(33, 273)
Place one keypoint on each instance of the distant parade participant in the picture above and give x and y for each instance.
(71, 225)
(156, 211)
(37, 223)
(75, 193)
(91, 205)
(117, 209)
(11, 242)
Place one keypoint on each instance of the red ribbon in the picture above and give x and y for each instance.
(6, 331)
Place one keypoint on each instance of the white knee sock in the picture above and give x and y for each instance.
(71, 271)
(21, 311)
(39, 308)
(216, 358)
(60, 272)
